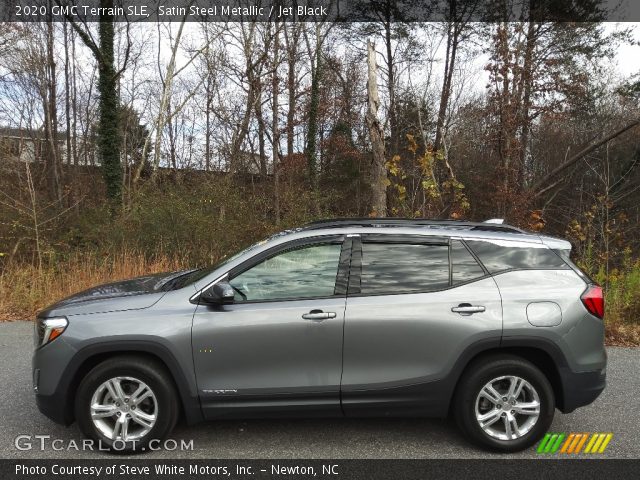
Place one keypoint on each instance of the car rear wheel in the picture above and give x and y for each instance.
(125, 402)
(504, 403)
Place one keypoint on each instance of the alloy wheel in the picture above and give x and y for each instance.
(507, 407)
(124, 408)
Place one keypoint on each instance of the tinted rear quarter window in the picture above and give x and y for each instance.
(501, 255)
(566, 256)
(393, 268)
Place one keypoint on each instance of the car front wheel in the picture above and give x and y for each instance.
(125, 402)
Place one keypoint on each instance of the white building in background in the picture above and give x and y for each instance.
(27, 145)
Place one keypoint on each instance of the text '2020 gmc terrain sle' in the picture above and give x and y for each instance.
(364, 317)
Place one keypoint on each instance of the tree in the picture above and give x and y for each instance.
(275, 128)
(292, 33)
(457, 15)
(108, 128)
(536, 68)
(378, 173)
(167, 112)
(134, 134)
(400, 46)
(317, 70)
(54, 165)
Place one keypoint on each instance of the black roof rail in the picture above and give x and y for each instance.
(410, 222)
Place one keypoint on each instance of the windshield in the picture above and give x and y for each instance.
(191, 276)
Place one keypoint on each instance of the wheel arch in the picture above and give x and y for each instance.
(540, 352)
(87, 358)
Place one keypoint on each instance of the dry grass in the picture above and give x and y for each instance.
(622, 303)
(622, 335)
(25, 289)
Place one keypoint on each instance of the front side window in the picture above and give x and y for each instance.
(307, 272)
(393, 268)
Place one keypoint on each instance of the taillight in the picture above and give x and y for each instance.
(593, 299)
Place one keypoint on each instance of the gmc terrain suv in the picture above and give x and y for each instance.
(358, 317)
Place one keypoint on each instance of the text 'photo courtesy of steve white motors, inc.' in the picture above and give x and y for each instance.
(170, 470)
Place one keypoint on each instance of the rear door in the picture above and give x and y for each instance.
(414, 304)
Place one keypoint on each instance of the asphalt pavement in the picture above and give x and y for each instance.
(617, 411)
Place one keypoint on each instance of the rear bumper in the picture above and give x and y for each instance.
(580, 388)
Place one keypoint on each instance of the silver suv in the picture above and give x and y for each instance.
(357, 317)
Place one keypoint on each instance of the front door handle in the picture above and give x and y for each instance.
(318, 315)
(468, 309)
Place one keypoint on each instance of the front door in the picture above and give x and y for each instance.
(278, 348)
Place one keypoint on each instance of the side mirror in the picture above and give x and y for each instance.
(220, 294)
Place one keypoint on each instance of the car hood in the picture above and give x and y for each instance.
(132, 294)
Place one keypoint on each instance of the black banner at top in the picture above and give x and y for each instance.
(320, 10)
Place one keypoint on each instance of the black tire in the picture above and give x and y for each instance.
(476, 376)
(149, 371)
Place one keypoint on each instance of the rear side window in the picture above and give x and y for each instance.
(389, 269)
(501, 255)
(464, 267)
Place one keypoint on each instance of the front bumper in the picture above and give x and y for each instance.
(51, 380)
(55, 407)
(580, 388)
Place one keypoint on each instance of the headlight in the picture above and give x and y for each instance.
(48, 329)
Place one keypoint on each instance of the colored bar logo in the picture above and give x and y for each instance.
(574, 443)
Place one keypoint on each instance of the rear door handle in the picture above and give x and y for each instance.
(318, 315)
(468, 309)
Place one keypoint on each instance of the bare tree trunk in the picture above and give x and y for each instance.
(51, 121)
(275, 132)
(391, 88)
(165, 98)
(172, 141)
(314, 105)
(74, 100)
(207, 133)
(378, 174)
(505, 112)
(292, 56)
(261, 130)
(449, 65)
(67, 92)
(252, 67)
(524, 120)
(33, 207)
(241, 133)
